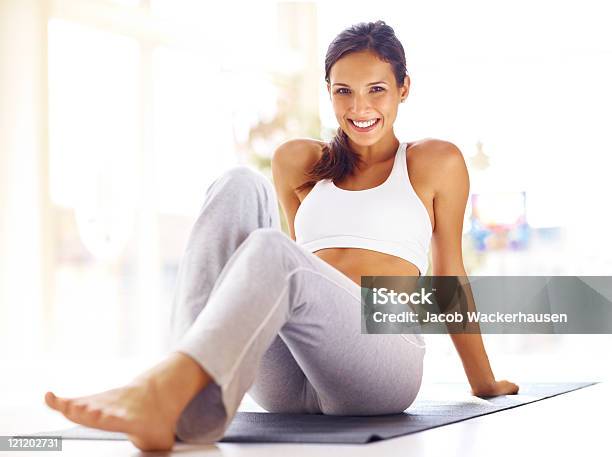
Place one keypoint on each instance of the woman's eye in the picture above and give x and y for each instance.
(344, 91)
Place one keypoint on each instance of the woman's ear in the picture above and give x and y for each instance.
(329, 90)
(405, 89)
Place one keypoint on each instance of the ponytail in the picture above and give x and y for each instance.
(337, 161)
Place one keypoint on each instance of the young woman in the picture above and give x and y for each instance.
(278, 316)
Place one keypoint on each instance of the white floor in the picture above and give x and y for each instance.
(574, 424)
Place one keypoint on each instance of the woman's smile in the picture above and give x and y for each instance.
(364, 126)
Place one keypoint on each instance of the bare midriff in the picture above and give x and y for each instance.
(355, 262)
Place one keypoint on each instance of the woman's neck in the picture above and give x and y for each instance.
(378, 152)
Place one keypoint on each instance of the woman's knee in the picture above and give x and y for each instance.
(246, 177)
(241, 172)
(270, 251)
(242, 187)
(269, 240)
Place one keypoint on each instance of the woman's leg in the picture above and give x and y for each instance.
(237, 203)
(148, 408)
(273, 287)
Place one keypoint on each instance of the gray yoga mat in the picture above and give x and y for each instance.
(437, 404)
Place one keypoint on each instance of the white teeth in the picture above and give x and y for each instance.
(365, 124)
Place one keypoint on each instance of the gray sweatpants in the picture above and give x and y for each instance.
(262, 314)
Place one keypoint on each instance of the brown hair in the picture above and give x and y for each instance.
(338, 160)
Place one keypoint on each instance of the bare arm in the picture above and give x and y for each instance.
(452, 190)
(289, 163)
(284, 185)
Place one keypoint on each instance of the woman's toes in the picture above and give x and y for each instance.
(50, 399)
(55, 402)
(76, 410)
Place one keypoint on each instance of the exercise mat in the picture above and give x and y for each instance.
(437, 404)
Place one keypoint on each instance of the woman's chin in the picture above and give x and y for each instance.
(359, 140)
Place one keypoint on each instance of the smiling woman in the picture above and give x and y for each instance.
(300, 349)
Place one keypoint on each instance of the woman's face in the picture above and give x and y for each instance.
(365, 96)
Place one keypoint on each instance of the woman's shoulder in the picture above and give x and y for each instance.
(432, 162)
(292, 160)
(299, 149)
(432, 152)
(431, 145)
(298, 154)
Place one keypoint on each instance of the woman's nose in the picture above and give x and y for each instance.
(360, 104)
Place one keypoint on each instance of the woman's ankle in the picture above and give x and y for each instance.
(177, 378)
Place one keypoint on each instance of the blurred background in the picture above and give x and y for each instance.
(115, 116)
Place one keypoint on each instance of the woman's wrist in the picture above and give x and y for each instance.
(484, 382)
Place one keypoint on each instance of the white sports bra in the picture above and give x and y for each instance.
(389, 218)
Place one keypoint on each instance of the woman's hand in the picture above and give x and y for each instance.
(497, 388)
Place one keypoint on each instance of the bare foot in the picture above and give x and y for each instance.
(135, 409)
